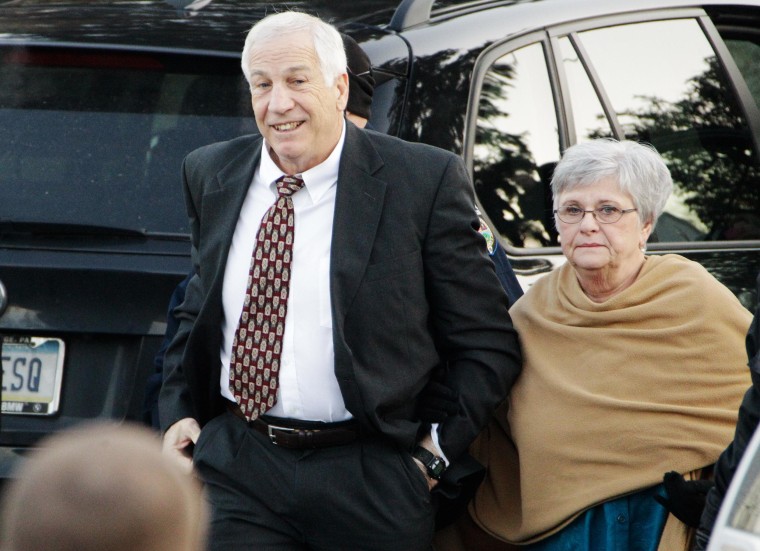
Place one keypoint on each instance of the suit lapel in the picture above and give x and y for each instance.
(358, 207)
(221, 207)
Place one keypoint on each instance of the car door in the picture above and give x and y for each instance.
(682, 80)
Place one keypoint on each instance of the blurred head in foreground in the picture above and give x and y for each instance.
(103, 487)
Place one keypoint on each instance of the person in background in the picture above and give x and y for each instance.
(504, 271)
(102, 487)
(150, 414)
(633, 368)
(361, 83)
(749, 417)
(335, 271)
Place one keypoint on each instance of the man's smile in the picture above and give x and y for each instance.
(286, 126)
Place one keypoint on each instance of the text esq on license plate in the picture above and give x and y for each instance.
(32, 374)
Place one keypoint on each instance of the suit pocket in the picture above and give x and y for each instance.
(208, 430)
(394, 267)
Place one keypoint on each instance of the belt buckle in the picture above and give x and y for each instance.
(273, 436)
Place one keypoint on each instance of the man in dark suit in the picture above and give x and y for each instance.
(361, 85)
(304, 363)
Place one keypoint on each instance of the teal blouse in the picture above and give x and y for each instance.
(629, 523)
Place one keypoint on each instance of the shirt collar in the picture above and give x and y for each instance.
(317, 180)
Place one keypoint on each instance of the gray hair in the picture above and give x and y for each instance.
(328, 44)
(637, 168)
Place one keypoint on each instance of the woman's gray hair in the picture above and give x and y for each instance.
(637, 168)
(328, 44)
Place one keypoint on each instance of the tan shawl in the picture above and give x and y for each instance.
(612, 395)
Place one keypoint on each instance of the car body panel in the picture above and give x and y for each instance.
(737, 527)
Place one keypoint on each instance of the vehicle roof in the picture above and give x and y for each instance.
(220, 25)
(549, 12)
(497, 20)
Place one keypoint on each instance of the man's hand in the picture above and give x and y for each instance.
(178, 442)
(427, 443)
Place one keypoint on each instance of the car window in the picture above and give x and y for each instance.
(588, 114)
(664, 85)
(114, 127)
(516, 147)
(667, 88)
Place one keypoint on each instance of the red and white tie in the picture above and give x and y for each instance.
(256, 348)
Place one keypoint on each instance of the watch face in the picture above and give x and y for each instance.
(436, 467)
(433, 465)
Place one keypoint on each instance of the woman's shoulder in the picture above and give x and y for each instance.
(678, 270)
(674, 262)
(541, 291)
(693, 282)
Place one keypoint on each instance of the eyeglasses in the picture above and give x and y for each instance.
(606, 214)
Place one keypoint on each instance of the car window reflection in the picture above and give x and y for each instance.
(517, 146)
(678, 99)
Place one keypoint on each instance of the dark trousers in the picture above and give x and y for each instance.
(367, 495)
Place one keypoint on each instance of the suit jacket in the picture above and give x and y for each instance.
(411, 284)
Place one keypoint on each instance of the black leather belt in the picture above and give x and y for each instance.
(302, 435)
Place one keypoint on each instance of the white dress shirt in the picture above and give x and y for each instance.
(308, 388)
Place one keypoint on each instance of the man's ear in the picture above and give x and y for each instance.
(341, 86)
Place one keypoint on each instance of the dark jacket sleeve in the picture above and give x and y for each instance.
(469, 313)
(749, 415)
(174, 401)
(506, 274)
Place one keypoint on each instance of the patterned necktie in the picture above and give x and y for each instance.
(257, 345)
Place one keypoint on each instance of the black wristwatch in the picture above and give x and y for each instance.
(433, 464)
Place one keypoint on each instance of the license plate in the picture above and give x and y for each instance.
(32, 372)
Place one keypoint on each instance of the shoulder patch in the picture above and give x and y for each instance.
(487, 234)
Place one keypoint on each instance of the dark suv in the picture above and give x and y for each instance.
(100, 101)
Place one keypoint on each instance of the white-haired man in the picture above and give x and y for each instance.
(312, 325)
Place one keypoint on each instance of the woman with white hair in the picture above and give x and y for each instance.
(634, 367)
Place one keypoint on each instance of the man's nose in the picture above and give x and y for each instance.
(280, 99)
